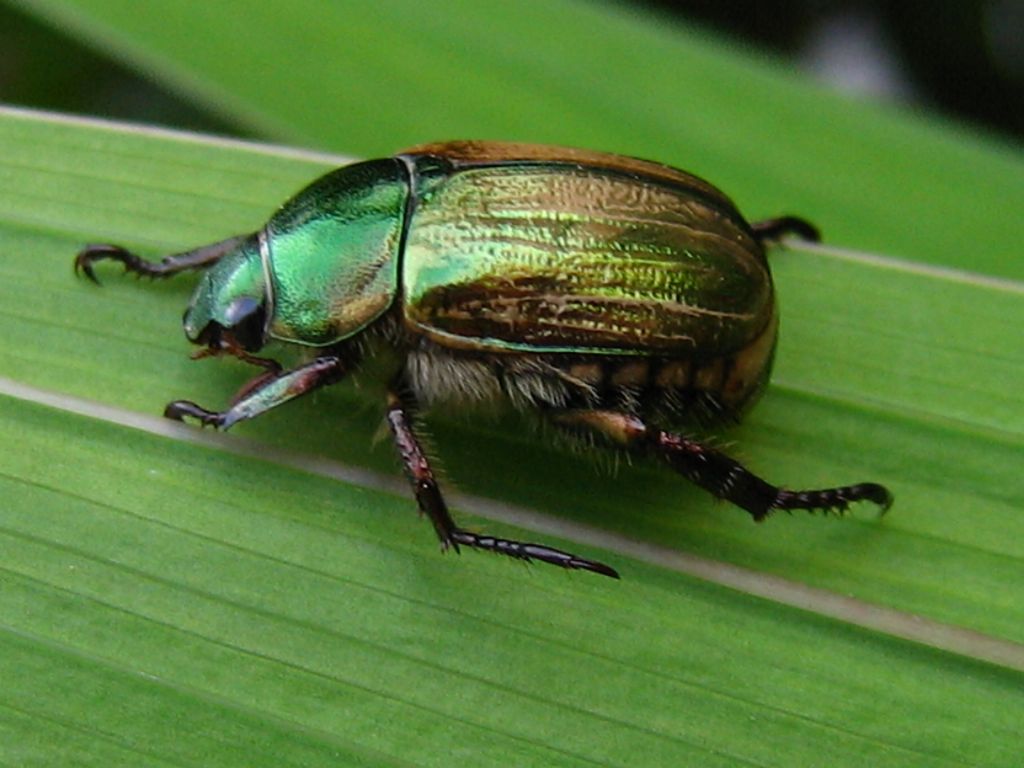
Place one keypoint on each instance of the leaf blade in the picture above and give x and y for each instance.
(249, 616)
(583, 75)
(130, 353)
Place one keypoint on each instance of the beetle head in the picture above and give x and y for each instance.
(229, 308)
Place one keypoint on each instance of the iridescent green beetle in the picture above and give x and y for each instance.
(612, 295)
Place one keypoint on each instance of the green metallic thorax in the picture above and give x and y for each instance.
(332, 253)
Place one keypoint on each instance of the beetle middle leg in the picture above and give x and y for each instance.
(432, 504)
(167, 266)
(712, 470)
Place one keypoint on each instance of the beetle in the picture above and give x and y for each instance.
(625, 301)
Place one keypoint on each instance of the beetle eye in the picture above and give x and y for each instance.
(246, 317)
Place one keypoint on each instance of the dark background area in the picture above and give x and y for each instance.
(964, 58)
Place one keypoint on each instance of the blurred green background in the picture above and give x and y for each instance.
(964, 59)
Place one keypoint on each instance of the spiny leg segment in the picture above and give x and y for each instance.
(431, 503)
(264, 393)
(269, 392)
(714, 471)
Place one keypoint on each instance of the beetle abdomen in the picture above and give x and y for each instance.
(556, 257)
(672, 389)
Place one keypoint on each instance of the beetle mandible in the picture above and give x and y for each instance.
(621, 299)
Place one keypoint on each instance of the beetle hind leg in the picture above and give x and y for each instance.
(773, 230)
(169, 265)
(432, 504)
(715, 472)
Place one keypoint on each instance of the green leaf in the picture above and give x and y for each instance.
(271, 617)
(252, 613)
(371, 78)
(175, 602)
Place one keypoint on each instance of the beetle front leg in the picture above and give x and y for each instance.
(432, 504)
(714, 471)
(169, 265)
(264, 394)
